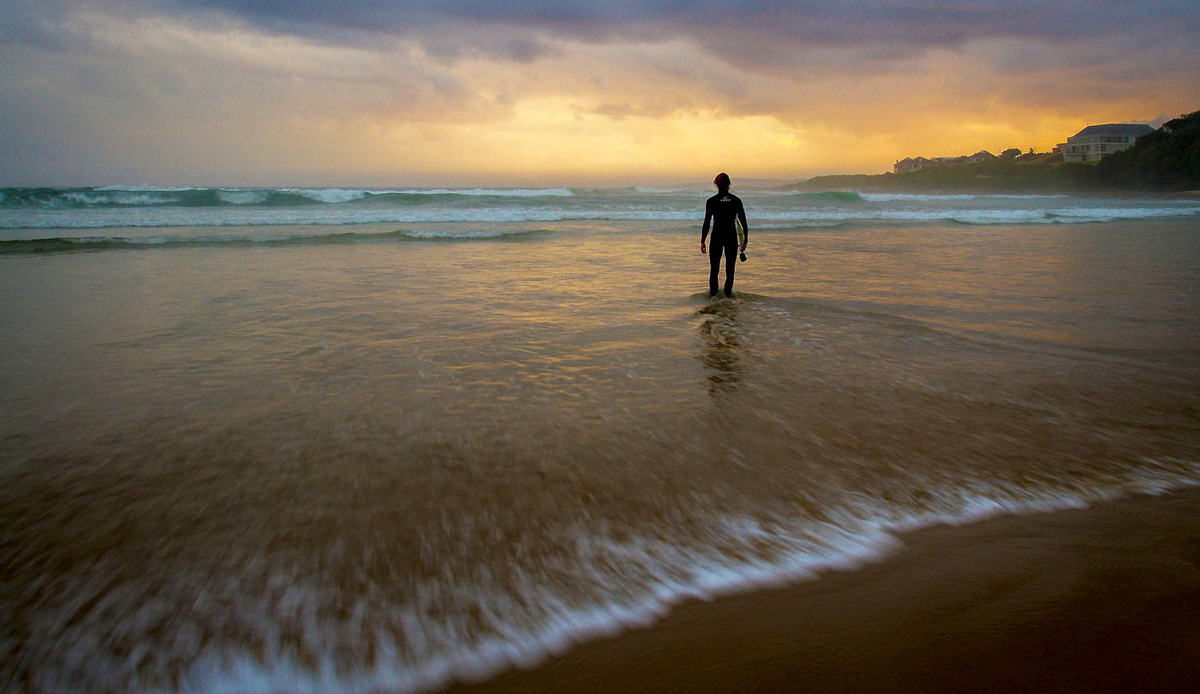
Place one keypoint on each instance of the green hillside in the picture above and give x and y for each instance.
(1163, 161)
(1167, 159)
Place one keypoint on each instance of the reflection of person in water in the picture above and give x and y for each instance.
(723, 210)
(721, 347)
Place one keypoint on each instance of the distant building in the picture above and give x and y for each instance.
(909, 164)
(1095, 142)
(915, 163)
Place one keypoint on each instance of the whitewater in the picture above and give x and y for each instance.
(148, 206)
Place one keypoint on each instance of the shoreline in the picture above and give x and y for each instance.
(1104, 599)
(1113, 194)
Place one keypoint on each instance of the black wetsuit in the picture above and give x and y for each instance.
(722, 210)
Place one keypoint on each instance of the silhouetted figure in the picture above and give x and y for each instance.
(723, 211)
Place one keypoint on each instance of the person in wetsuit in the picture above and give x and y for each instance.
(723, 211)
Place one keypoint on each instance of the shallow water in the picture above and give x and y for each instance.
(254, 460)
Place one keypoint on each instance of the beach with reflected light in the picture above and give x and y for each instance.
(341, 441)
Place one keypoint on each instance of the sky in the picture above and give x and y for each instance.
(566, 92)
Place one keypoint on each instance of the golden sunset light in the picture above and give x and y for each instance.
(239, 93)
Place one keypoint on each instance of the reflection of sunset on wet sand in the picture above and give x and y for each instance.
(244, 451)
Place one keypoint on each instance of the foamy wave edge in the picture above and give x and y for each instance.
(873, 539)
(61, 244)
(488, 192)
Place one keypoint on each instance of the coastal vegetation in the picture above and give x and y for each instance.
(1167, 160)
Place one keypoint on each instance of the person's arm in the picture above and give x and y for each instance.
(708, 214)
(741, 213)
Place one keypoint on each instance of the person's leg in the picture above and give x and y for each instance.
(730, 263)
(714, 260)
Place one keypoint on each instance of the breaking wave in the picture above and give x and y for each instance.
(109, 243)
(149, 206)
(138, 196)
(310, 640)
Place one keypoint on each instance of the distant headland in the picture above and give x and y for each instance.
(1166, 160)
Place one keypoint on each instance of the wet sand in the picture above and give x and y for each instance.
(1105, 599)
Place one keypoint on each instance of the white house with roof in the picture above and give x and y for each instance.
(909, 164)
(1095, 142)
(914, 164)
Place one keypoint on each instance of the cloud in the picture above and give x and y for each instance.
(929, 23)
(788, 39)
(188, 89)
(770, 36)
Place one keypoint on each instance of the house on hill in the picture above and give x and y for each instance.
(909, 164)
(915, 163)
(1095, 142)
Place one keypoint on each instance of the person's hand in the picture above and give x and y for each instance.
(703, 248)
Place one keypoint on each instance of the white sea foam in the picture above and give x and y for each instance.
(462, 233)
(143, 206)
(447, 652)
(225, 217)
(235, 196)
(800, 224)
(951, 197)
(1013, 196)
(329, 195)
(438, 653)
(145, 189)
(913, 197)
(116, 197)
(158, 214)
(1108, 214)
(493, 192)
(635, 582)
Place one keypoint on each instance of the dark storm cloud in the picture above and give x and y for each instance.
(765, 34)
(853, 22)
(29, 23)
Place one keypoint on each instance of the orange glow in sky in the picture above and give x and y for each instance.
(239, 97)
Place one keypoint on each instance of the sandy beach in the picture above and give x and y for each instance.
(245, 452)
(1105, 599)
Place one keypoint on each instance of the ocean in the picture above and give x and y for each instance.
(344, 440)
